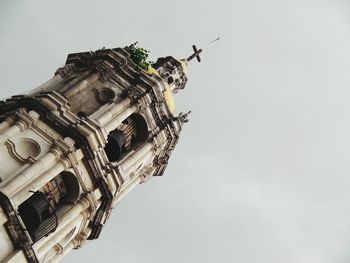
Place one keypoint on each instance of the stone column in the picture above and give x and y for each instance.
(130, 160)
(7, 123)
(18, 127)
(75, 243)
(111, 183)
(39, 182)
(111, 112)
(32, 172)
(10, 129)
(68, 248)
(115, 123)
(70, 216)
(138, 162)
(100, 111)
(50, 241)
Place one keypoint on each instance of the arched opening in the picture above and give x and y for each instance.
(170, 80)
(130, 134)
(40, 212)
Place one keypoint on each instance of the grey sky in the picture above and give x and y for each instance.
(261, 172)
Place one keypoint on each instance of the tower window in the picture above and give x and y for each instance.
(40, 212)
(170, 80)
(131, 133)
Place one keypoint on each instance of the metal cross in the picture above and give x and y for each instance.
(199, 51)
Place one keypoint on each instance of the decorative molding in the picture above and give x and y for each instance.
(11, 148)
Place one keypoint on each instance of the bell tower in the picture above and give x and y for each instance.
(72, 148)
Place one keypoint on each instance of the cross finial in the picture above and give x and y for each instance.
(199, 51)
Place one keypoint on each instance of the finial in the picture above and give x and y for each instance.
(198, 51)
(183, 117)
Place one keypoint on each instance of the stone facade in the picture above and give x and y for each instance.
(72, 148)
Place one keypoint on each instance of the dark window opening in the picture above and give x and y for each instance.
(170, 80)
(130, 134)
(40, 211)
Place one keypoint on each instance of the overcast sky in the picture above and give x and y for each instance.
(262, 170)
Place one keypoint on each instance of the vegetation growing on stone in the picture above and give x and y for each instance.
(139, 56)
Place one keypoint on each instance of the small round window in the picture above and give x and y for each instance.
(106, 95)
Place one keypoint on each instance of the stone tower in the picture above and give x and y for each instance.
(72, 148)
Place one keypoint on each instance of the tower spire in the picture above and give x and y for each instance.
(197, 52)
